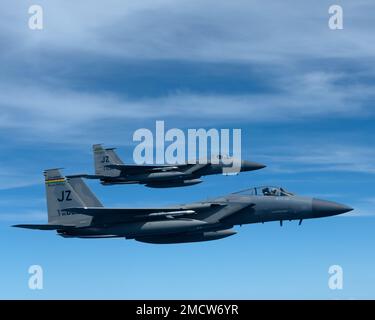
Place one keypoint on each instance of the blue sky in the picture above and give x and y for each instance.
(301, 93)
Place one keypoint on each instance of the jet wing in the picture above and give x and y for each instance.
(108, 215)
(228, 211)
(44, 226)
(194, 168)
(97, 211)
(139, 169)
(116, 215)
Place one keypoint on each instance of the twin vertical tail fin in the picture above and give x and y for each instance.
(63, 193)
(104, 157)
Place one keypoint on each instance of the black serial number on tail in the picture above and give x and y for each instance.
(65, 213)
(65, 196)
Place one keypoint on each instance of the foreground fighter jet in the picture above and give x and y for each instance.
(111, 170)
(74, 211)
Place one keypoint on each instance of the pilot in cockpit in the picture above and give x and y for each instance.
(270, 192)
(267, 192)
(276, 192)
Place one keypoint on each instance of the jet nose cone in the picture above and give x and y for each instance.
(250, 166)
(323, 208)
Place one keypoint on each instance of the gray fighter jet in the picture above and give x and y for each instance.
(74, 211)
(111, 170)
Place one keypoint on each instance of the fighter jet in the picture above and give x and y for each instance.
(74, 211)
(110, 170)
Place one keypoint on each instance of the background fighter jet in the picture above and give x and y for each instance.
(111, 170)
(74, 211)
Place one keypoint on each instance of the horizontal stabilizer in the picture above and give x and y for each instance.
(86, 176)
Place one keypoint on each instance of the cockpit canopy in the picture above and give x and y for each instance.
(266, 192)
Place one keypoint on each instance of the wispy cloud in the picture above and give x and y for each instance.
(16, 178)
(211, 30)
(364, 208)
(51, 114)
(25, 216)
(361, 212)
(39, 97)
(309, 71)
(321, 158)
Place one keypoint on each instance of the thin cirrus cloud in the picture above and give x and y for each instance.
(210, 30)
(39, 101)
(313, 72)
(16, 178)
(25, 216)
(361, 210)
(304, 158)
(50, 114)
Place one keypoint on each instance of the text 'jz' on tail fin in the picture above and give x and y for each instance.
(104, 157)
(62, 194)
